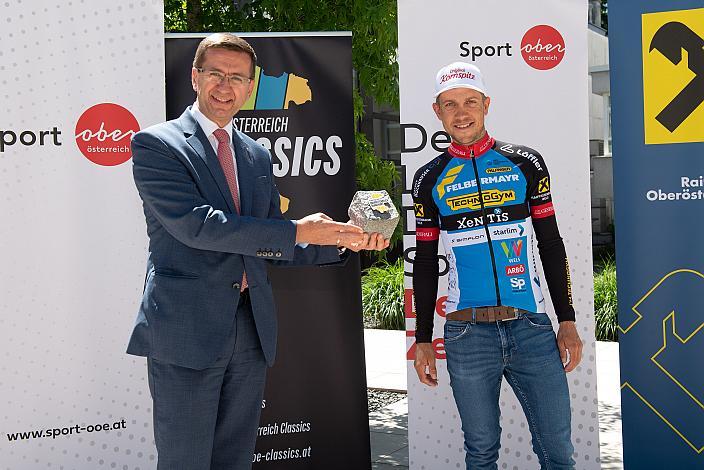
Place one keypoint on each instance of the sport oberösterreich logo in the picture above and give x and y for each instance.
(543, 47)
(103, 134)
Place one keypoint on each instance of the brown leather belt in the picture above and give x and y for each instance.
(485, 314)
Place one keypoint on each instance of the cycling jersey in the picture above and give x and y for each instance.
(486, 201)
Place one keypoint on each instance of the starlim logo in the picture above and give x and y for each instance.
(277, 92)
(491, 197)
(673, 76)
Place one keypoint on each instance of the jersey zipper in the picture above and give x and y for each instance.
(486, 227)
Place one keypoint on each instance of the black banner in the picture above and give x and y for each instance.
(315, 413)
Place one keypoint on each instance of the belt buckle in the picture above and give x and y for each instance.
(514, 317)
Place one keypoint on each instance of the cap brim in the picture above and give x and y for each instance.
(460, 85)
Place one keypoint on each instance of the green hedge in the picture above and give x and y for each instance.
(382, 295)
(605, 303)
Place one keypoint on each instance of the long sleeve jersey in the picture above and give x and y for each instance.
(487, 201)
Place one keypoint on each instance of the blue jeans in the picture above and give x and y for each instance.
(525, 352)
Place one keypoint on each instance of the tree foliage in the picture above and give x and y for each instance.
(372, 22)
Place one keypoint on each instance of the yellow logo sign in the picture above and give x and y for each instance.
(450, 177)
(673, 76)
(284, 202)
(499, 169)
(419, 210)
(491, 197)
(544, 185)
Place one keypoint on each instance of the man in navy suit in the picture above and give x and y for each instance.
(207, 322)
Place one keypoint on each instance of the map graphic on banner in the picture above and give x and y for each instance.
(277, 92)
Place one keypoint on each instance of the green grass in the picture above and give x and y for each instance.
(382, 296)
(605, 303)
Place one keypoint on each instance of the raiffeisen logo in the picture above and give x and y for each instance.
(103, 134)
(277, 92)
(543, 47)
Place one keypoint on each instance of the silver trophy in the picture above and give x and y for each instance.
(374, 212)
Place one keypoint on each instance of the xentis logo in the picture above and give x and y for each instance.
(103, 134)
(543, 47)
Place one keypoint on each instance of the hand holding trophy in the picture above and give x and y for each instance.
(376, 214)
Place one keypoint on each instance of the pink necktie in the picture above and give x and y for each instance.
(227, 162)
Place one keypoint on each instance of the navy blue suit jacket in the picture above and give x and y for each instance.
(199, 246)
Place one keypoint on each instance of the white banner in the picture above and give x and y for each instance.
(539, 99)
(78, 78)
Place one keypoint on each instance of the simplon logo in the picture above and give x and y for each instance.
(673, 76)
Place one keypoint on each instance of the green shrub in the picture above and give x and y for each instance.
(605, 303)
(382, 295)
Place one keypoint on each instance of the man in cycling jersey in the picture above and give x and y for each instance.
(487, 200)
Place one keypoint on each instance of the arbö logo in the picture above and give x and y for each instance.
(103, 134)
(543, 47)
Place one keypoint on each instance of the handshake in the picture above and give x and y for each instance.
(319, 229)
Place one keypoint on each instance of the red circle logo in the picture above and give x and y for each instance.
(103, 134)
(542, 47)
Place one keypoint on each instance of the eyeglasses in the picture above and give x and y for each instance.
(215, 77)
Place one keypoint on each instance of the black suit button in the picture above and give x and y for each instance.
(278, 254)
(271, 253)
(236, 285)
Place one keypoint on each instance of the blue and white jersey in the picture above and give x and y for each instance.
(484, 202)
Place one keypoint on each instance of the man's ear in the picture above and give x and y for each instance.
(487, 102)
(436, 108)
(194, 79)
(251, 89)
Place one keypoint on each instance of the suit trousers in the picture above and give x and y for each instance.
(208, 419)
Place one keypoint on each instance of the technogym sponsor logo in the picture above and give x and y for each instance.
(490, 198)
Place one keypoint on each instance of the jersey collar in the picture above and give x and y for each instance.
(476, 149)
